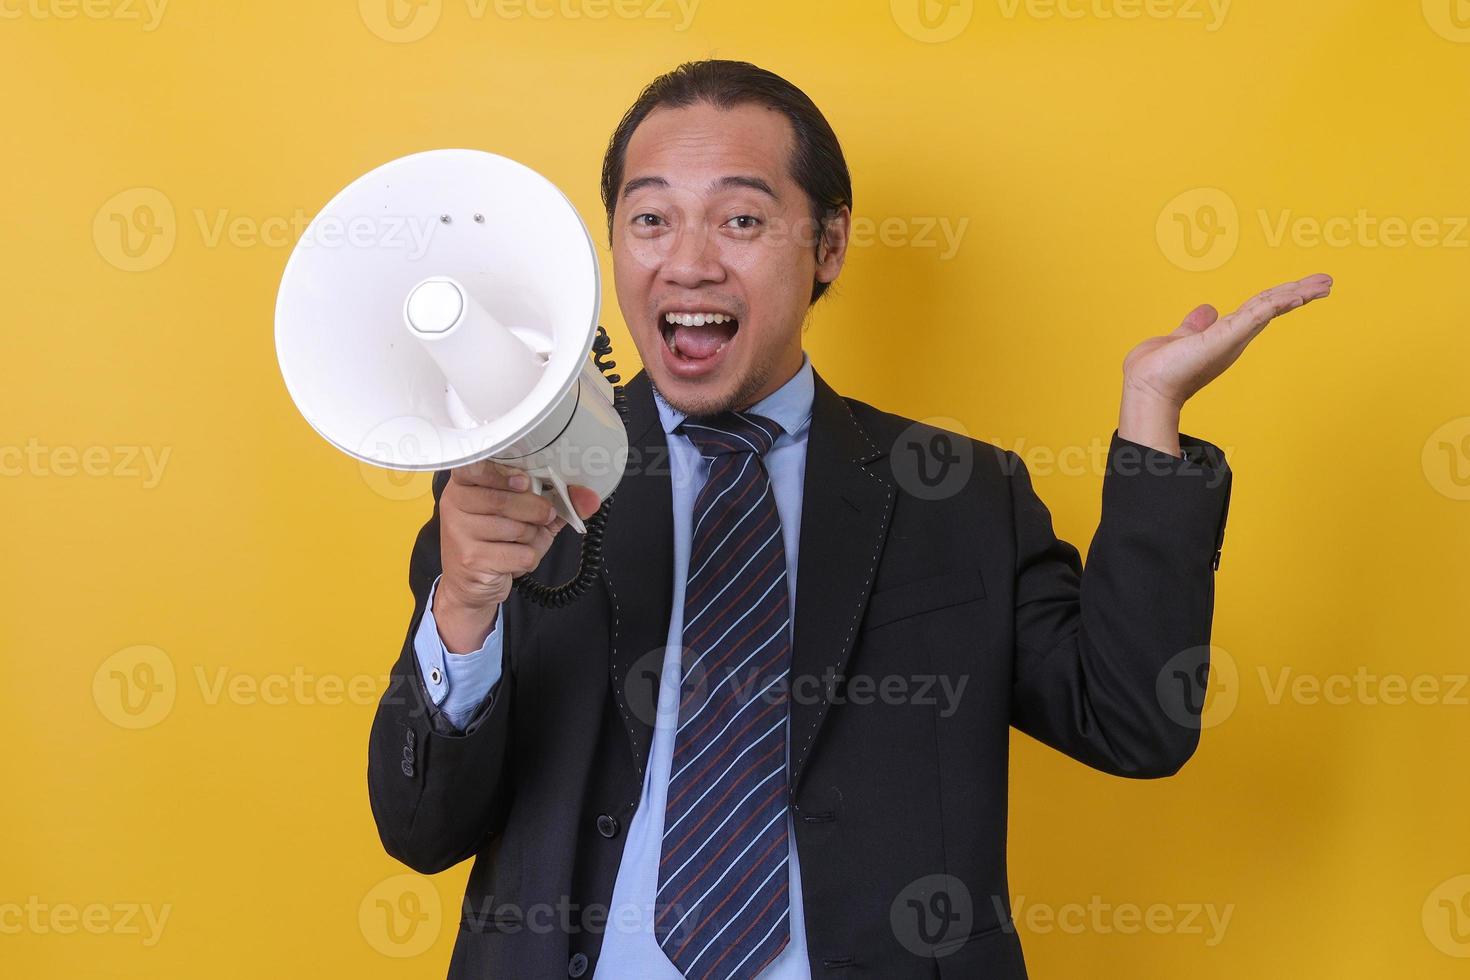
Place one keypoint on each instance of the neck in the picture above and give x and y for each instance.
(783, 371)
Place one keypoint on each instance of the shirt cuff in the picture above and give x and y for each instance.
(457, 684)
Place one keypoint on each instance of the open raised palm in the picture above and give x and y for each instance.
(1175, 366)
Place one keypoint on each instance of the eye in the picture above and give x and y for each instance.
(744, 222)
(647, 220)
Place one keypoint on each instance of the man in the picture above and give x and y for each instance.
(676, 776)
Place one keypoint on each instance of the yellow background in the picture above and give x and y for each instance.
(266, 572)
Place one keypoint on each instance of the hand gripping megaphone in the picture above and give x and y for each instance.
(440, 310)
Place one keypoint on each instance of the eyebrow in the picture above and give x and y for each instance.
(723, 183)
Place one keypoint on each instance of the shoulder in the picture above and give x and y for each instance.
(908, 441)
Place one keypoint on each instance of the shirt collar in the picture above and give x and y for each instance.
(789, 406)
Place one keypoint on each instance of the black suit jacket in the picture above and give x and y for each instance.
(899, 802)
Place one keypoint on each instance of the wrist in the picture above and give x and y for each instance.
(463, 625)
(1149, 419)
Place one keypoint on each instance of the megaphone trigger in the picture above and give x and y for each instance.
(548, 483)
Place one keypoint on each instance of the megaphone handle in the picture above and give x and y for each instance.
(590, 562)
(547, 483)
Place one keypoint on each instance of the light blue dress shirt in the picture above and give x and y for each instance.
(458, 684)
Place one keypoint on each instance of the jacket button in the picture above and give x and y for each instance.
(607, 825)
(577, 965)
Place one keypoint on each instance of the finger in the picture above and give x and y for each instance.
(488, 473)
(1199, 318)
(1243, 325)
(520, 505)
(1319, 282)
(1287, 296)
(542, 541)
(492, 528)
(537, 538)
(506, 557)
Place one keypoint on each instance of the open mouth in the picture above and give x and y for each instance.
(697, 335)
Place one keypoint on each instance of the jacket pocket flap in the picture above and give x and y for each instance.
(923, 595)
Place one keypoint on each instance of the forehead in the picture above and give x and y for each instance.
(697, 143)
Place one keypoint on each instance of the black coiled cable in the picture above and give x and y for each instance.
(590, 564)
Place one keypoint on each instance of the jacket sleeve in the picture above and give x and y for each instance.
(1099, 650)
(438, 792)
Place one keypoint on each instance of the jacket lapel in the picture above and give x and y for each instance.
(638, 567)
(844, 519)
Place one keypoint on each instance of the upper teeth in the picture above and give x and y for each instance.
(696, 319)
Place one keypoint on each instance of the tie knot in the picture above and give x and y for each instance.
(730, 432)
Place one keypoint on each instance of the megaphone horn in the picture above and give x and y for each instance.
(470, 342)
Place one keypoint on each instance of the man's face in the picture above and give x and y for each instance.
(715, 253)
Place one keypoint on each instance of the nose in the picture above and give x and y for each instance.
(694, 258)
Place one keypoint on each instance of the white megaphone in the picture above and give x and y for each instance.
(439, 311)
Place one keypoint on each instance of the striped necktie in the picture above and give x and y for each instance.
(722, 900)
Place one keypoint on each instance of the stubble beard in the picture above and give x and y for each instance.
(742, 397)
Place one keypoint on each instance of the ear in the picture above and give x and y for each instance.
(832, 246)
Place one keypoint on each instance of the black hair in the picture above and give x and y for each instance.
(817, 163)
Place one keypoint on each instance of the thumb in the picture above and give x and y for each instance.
(585, 500)
(1199, 318)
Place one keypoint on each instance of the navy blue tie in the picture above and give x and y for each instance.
(722, 878)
